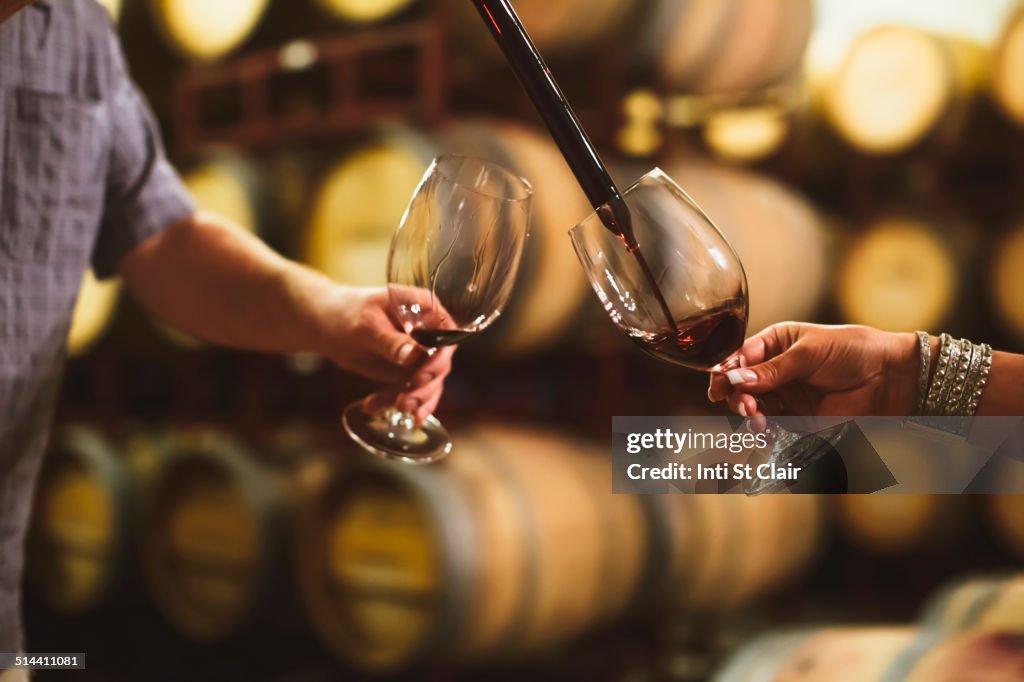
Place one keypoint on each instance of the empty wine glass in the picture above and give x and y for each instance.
(678, 290)
(451, 268)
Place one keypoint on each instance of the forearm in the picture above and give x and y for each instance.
(214, 280)
(1004, 393)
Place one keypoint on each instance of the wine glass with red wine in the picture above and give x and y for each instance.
(451, 267)
(674, 285)
(671, 281)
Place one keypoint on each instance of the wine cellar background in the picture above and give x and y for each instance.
(853, 192)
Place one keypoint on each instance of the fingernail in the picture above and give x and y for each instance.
(742, 409)
(424, 379)
(403, 353)
(410, 405)
(740, 376)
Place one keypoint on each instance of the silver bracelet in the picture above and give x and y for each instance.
(924, 352)
(940, 380)
(961, 374)
(978, 385)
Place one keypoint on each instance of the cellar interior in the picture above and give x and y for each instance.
(201, 513)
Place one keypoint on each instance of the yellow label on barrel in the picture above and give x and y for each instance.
(211, 546)
(384, 565)
(74, 531)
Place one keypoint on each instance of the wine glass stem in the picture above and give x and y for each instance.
(401, 425)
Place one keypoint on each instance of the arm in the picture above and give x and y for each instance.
(847, 371)
(216, 281)
(1004, 394)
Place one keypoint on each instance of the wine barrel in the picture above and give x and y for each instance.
(1007, 512)
(94, 309)
(360, 200)
(973, 657)
(1007, 280)
(1007, 65)
(900, 274)
(710, 46)
(718, 552)
(876, 654)
(895, 523)
(79, 539)
(358, 203)
(748, 134)
(513, 544)
(203, 30)
(981, 604)
(80, 548)
(558, 29)
(215, 537)
(363, 11)
(899, 85)
(898, 520)
(551, 288)
(973, 623)
(833, 654)
(774, 231)
(227, 183)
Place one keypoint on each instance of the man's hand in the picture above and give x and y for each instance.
(361, 336)
(809, 369)
(213, 280)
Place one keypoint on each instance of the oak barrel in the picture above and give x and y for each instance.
(899, 85)
(514, 544)
(774, 230)
(711, 46)
(215, 540)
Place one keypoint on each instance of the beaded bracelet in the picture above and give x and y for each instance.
(961, 373)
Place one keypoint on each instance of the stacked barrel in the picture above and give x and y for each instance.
(973, 631)
(515, 544)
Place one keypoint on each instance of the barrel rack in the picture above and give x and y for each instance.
(245, 84)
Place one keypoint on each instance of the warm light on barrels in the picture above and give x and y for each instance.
(1007, 67)
(1007, 280)
(897, 85)
(94, 309)
(205, 30)
(900, 274)
(363, 11)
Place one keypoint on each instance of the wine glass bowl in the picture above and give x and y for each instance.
(454, 257)
(451, 268)
(681, 293)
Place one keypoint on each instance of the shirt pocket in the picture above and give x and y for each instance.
(52, 155)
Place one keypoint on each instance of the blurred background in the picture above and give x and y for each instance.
(203, 516)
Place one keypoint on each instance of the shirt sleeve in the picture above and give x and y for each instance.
(144, 194)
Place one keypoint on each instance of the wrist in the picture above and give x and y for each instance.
(902, 368)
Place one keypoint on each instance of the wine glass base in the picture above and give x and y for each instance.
(392, 435)
(797, 450)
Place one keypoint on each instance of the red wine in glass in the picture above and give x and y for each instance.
(435, 338)
(702, 341)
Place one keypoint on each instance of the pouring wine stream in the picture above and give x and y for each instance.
(565, 128)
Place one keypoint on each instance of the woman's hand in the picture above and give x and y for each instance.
(809, 369)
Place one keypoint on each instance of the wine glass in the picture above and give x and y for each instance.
(451, 267)
(677, 288)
